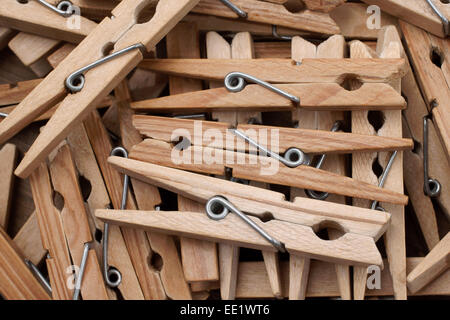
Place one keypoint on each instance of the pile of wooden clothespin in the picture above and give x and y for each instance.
(153, 149)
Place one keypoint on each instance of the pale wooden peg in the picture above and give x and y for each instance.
(28, 239)
(60, 54)
(16, 280)
(35, 18)
(283, 71)
(361, 164)
(334, 47)
(87, 167)
(254, 283)
(8, 154)
(13, 94)
(438, 166)
(395, 238)
(418, 13)
(298, 239)
(271, 13)
(169, 281)
(127, 248)
(218, 48)
(75, 222)
(434, 264)
(183, 42)
(33, 50)
(99, 81)
(433, 76)
(242, 47)
(52, 233)
(5, 35)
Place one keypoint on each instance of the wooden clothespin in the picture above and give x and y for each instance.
(129, 37)
(431, 15)
(307, 84)
(291, 140)
(8, 154)
(16, 280)
(423, 131)
(433, 75)
(44, 19)
(33, 50)
(66, 235)
(270, 13)
(291, 224)
(333, 47)
(241, 47)
(199, 258)
(434, 264)
(253, 282)
(362, 169)
(170, 278)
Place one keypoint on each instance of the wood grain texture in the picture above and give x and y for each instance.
(170, 279)
(60, 54)
(260, 168)
(52, 233)
(30, 48)
(75, 222)
(324, 96)
(334, 47)
(265, 12)
(130, 246)
(5, 35)
(28, 240)
(35, 18)
(418, 13)
(87, 167)
(350, 249)
(13, 94)
(100, 80)
(256, 201)
(395, 238)
(199, 258)
(16, 280)
(433, 80)
(308, 140)
(434, 264)
(8, 154)
(283, 70)
(254, 283)
(438, 165)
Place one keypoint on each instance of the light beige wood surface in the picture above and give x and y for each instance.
(199, 258)
(35, 18)
(324, 96)
(127, 249)
(418, 13)
(284, 70)
(434, 264)
(352, 249)
(52, 233)
(256, 201)
(265, 12)
(170, 279)
(28, 240)
(395, 237)
(260, 168)
(433, 79)
(99, 81)
(8, 154)
(308, 140)
(253, 281)
(17, 281)
(75, 222)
